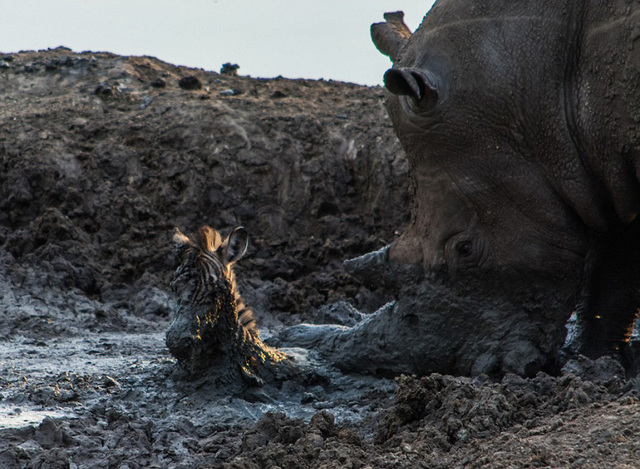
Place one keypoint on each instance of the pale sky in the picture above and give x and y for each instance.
(294, 38)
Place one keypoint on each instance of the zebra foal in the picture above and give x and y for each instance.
(213, 330)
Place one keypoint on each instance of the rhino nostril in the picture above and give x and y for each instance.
(422, 85)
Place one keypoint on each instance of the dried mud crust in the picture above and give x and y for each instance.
(443, 422)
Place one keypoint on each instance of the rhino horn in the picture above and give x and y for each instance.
(389, 37)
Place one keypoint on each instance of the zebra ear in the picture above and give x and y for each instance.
(179, 239)
(235, 246)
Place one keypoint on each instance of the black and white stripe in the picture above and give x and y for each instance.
(206, 272)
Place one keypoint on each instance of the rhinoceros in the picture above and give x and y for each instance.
(521, 123)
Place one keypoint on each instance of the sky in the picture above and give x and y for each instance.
(293, 38)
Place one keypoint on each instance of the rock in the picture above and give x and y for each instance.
(103, 90)
(190, 82)
(56, 458)
(110, 382)
(230, 92)
(604, 369)
(65, 61)
(146, 102)
(229, 69)
(48, 434)
(158, 82)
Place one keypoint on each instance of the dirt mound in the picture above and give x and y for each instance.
(102, 156)
(442, 421)
(100, 163)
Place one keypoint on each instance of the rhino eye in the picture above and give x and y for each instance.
(464, 248)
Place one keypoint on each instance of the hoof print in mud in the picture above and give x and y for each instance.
(213, 332)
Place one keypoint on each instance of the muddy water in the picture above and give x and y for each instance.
(102, 399)
(38, 375)
(17, 417)
(68, 376)
(106, 353)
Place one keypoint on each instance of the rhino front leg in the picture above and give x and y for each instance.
(610, 305)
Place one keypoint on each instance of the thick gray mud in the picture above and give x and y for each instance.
(102, 156)
(81, 400)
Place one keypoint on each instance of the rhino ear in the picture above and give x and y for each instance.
(420, 85)
(389, 37)
(235, 246)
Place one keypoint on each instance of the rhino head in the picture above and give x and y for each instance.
(499, 203)
(475, 122)
(522, 212)
(525, 171)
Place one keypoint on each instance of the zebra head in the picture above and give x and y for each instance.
(206, 260)
(205, 287)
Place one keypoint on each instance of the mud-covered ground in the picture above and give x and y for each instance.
(102, 156)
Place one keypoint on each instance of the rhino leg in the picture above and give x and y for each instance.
(612, 298)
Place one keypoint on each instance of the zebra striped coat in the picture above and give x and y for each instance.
(213, 328)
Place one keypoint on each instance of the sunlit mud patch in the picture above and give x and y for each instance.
(106, 353)
(12, 416)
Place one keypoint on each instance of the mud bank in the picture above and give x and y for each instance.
(102, 156)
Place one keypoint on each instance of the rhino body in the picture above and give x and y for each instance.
(521, 124)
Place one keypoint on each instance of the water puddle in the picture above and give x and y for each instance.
(12, 416)
(107, 353)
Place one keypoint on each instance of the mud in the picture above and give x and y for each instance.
(99, 163)
(437, 328)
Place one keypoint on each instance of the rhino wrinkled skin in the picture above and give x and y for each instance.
(520, 121)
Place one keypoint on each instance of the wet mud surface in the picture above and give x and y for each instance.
(102, 156)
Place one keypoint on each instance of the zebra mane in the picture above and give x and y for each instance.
(207, 239)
